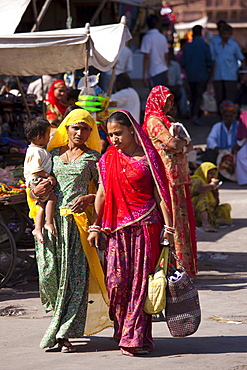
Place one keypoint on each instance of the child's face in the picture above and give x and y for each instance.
(43, 140)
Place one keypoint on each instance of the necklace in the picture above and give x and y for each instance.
(130, 155)
(73, 160)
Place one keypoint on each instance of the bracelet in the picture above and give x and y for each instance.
(169, 232)
(96, 228)
(169, 227)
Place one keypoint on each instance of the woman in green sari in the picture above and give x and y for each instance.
(69, 269)
(205, 198)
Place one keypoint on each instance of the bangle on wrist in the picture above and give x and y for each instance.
(95, 228)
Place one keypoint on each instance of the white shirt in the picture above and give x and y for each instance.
(36, 159)
(155, 44)
(124, 63)
(213, 139)
(128, 99)
(35, 87)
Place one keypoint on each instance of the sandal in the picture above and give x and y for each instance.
(65, 346)
(136, 351)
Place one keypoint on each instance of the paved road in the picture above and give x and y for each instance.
(219, 344)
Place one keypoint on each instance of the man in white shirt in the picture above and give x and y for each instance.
(154, 46)
(35, 87)
(126, 97)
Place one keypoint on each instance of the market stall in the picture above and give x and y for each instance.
(53, 52)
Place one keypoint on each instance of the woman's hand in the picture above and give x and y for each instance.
(81, 203)
(167, 236)
(93, 239)
(44, 188)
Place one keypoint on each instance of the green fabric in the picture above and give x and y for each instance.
(62, 264)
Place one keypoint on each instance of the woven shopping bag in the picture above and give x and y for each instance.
(156, 296)
(182, 312)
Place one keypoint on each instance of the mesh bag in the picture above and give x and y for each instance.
(183, 313)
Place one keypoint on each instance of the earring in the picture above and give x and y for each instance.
(131, 132)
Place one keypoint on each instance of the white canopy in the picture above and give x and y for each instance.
(188, 26)
(10, 14)
(52, 52)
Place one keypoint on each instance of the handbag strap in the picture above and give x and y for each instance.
(163, 255)
(173, 252)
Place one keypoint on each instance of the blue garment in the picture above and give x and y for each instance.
(196, 60)
(226, 59)
(223, 136)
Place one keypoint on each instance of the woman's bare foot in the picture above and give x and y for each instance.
(51, 229)
(222, 222)
(208, 228)
(38, 234)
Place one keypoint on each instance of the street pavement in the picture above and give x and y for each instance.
(219, 344)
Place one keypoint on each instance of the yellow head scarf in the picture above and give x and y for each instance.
(202, 171)
(60, 137)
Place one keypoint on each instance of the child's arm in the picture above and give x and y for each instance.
(46, 175)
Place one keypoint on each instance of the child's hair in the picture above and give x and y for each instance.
(35, 126)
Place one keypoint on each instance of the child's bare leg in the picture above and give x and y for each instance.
(37, 232)
(49, 214)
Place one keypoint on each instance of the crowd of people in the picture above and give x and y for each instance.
(125, 187)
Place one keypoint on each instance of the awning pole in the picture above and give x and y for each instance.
(109, 91)
(97, 12)
(87, 31)
(43, 98)
(41, 15)
(23, 96)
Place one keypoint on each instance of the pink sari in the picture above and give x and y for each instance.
(133, 224)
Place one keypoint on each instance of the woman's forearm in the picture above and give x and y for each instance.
(99, 205)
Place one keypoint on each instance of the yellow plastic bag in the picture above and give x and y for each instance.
(156, 296)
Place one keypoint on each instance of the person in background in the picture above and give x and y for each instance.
(72, 96)
(175, 85)
(226, 55)
(35, 87)
(124, 65)
(56, 103)
(205, 198)
(172, 149)
(133, 202)
(223, 134)
(11, 86)
(126, 97)
(197, 62)
(154, 46)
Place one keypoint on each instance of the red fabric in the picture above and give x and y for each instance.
(51, 97)
(154, 104)
(128, 197)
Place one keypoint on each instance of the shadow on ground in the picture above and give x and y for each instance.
(169, 346)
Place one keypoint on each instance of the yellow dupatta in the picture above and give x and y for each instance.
(97, 313)
(202, 173)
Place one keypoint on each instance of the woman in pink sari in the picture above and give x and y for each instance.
(133, 203)
(172, 151)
